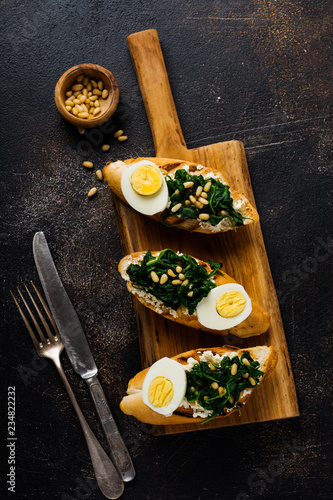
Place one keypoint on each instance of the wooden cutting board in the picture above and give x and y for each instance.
(242, 253)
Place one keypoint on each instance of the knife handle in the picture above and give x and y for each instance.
(117, 446)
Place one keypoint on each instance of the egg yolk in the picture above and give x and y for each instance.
(146, 180)
(160, 391)
(230, 304)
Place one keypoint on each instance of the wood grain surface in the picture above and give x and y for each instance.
(242, 253)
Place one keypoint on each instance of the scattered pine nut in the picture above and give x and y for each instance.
(118, 134)
(154, 277)
(99, 174)
(122, 138)
(234, 369)
(176, 282)
(105, 147)
(204, 216)
(212, 367)
(246, 375)
(88, 164)
(164, 279)
(176, 208)
(203, 201)
(92, 192)
(231, 399)
(188, 184)
(177, 192)
(198, 204)
(171, 273)
(190, 294)
(187, 203)
(221, 391)
(186, 282)
(214, 385)
(245, 361)
(252, 381)
(192, 199)
(207, 186)
(179, 269)
(198, 191)
(181, 276)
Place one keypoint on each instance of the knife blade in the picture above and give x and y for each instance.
(78, 350)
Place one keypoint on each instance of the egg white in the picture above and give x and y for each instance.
(208, 315)
(147, 205)
(174, 371)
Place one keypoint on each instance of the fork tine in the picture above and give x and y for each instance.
(50, 335)
(26, 322)
(46, 309)
(38, 328)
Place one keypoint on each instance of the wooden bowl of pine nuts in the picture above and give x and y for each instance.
(87, 95)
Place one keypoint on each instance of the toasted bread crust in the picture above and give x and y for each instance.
(255, 324)
(113, 172)
(134, 405)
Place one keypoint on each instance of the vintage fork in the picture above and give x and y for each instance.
(50, 346)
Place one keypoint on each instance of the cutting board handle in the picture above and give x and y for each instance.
(154, 83)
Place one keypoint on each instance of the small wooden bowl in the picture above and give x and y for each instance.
(95, 72)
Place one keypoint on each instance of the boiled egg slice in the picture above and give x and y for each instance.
(224, 307)
(145, 188)
(164, 386)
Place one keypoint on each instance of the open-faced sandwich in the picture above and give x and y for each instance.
(192, 292)
(197, 385)
(179, 194)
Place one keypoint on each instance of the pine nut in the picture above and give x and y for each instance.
(76, 101)
(93, 83)
(122, 138)
(89, 87)
(164, 279)
(214, 385)
(100, 85)
(80, 78)
(77, 93)
(179, 269)
(203, 200)
(71, 98)
(171, 273)
(176, 282)
(97, 92)
(84, 108)
(75, 111)
(92, 192)
(192, 389)
(93, 97)
(118, 134)
(190, 294)
(88, 164)
(154, 277)
(82, 98)
(187, 203)
(177, 192)
(105, 93)
(85, 92)
(204, 195)
(87, 100)
(245, 361)
(212, 367)
(96, 111)
(96, 103)
(231, 400)
(85, 80)
(105, 147)
(192, 199)
(181, 276)
(69, 93)
(99, 174)
(69, 103)
(252, 381)
(83, 114)
(77, 87)
(246, 375)
(188, 184)
(207, 186)
(186, 282)
(176, 208)
(198, 205)
(79, 108)
(198, 191)
(204, 216)
(69, 108)
(206, 398)
(221, 391)
(234, 369)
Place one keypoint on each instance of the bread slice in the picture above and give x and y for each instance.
(113, 172)
(134, 405)
(255, 324)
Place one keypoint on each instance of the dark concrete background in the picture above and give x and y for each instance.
(258, 71)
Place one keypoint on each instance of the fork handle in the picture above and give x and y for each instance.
(117, 446)
(108, 479)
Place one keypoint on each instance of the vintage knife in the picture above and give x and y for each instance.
(78, 351)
